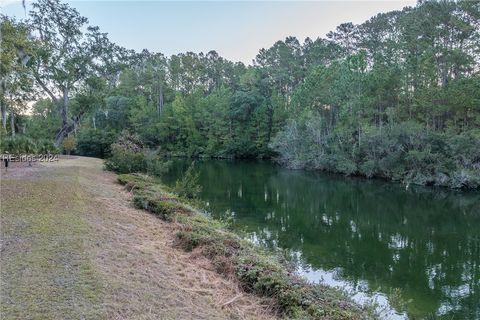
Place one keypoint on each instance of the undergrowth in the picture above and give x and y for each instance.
(256, 270)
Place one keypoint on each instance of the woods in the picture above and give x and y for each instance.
(396, 97)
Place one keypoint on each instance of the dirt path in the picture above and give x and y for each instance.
(73, 247)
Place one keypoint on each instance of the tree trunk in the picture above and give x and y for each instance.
(94, 123)
(359, 135)
(62, 133)
(270, 123)
(160, 100)
(76, 122)
(12, 123)
(64, 112)
(4, 116)
(65, 129)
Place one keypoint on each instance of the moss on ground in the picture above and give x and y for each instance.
(257, 271)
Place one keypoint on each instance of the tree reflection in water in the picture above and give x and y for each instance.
(372, 234)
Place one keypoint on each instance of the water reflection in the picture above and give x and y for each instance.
(359, 292)
(369, 234)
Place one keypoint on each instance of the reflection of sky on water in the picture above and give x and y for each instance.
(359, 293)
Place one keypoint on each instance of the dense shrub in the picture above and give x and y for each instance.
(94, 143)
(125, 161)
(128, 155)
(406, 152)
(21, 144)
(45, 146)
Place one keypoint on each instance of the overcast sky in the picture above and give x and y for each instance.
(236, 30)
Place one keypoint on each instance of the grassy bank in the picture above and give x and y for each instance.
(257, 271)
(46, 271)
(73, 247)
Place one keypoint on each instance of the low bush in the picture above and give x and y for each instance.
(128, 155)
(45, 146)
(187, 186)
(21, 144)
(154, 165)
(125, 161)
(68, 144)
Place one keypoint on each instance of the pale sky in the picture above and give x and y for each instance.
(236, 30)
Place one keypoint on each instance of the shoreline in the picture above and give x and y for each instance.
(256, 270)
(73, 246)
(356, 175)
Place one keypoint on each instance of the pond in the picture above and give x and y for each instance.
(415, 251)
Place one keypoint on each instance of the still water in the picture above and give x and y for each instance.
(415, 251)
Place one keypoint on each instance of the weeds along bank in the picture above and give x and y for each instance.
(257, 271)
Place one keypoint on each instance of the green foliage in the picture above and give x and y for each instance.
(406, 152)
(21, 144)
(188, 186)
(94, 143)
(79, 58)
(127, 154)
(165, 210)
(17, 145)
(155, 165)
(44, 119)
(124, 160)
(45, 146)
(16, 82)
(68, 144)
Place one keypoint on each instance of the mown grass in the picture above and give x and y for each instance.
(256, 270)
(45, 270)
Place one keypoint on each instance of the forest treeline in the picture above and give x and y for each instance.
(396, 97)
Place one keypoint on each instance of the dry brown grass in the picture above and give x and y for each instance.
(136, 271)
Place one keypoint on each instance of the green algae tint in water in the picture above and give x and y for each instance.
(416, 248)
